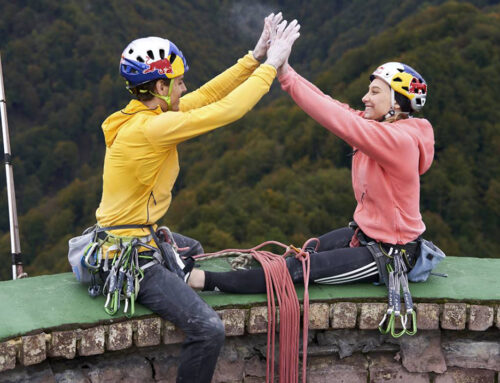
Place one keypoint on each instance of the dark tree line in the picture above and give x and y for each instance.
(275, 174)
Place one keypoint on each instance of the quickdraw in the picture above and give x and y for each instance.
(125, 273)
(91, 259)
(121, 280)
(397, 281)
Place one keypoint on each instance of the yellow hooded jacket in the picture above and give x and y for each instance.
(141, 162)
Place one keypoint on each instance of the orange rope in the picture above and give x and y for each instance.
(280, 287)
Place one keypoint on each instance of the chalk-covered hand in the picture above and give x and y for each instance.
(270, 24)
(282, 40)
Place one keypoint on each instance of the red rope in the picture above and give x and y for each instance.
(304, 257)
(280, 287)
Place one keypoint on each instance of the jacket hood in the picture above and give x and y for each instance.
(112, 125)
(424, 134)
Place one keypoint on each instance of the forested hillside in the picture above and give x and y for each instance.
(275, 174)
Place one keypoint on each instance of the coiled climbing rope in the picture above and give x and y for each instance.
(280, 288)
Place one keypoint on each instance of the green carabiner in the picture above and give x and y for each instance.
(132, 307)
(393, 329)
(414, 323)
(114, 304)
(389, 268)
(390, 323)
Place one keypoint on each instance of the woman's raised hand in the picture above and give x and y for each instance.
(282, 39)
(270, 24)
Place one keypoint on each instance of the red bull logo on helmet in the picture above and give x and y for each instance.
(417, 87)
(162, 66)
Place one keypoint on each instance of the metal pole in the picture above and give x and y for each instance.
(17, 264)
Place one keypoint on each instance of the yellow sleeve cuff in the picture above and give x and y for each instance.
(266, 72)
(248, 61)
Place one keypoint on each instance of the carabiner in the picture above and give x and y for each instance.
(108, 299)
(390, 323)
(125, 309)
(393, 328)
(404, 320)
(89, 252)
(130, 284)
(114, 304)
(132, 307)
(413, 324)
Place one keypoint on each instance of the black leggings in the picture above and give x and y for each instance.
(334, 263)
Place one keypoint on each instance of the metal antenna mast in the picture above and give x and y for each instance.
(17, 263)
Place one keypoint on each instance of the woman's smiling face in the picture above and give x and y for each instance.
(377, 100)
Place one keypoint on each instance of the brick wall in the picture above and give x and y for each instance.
(456, 342)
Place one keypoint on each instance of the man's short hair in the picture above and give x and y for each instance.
(143, 91)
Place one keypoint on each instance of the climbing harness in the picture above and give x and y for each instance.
(118, 278)
(170, 252)
(280, 288)
(393, 266)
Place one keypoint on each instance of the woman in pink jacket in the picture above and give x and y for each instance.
(391, 149)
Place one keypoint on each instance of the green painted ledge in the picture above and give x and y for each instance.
(41, 303)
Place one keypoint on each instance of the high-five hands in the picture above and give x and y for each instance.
(282, 39)
(270, 24)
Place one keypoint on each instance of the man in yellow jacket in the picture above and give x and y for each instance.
(141, 166)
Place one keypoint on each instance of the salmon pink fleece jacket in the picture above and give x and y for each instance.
(386, 167)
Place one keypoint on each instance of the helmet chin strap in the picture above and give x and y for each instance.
(166, 98)
(391, 111)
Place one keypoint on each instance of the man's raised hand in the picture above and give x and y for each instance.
(270, 24)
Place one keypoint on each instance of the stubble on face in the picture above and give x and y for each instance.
(177, 92)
